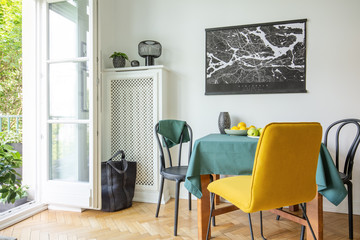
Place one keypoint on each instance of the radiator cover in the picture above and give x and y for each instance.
(132, 119)
(131, 105)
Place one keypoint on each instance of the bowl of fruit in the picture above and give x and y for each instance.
(242, 130)
(238, 130)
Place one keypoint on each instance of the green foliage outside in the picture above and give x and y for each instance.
(11, 188)
(10, 98)
(11, 60)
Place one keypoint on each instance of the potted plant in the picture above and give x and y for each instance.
(119, 59)
(12, 192)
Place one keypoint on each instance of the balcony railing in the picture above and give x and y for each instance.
(10, 122)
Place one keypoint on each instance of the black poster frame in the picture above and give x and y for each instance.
(256, 58)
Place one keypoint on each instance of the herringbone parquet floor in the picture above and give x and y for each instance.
(138, 222)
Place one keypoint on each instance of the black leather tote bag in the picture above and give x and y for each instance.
(117, 183)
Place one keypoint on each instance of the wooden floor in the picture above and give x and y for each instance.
(139, 222)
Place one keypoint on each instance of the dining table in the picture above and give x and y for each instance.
(223, 154)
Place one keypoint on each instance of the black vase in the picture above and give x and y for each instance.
(224, 122)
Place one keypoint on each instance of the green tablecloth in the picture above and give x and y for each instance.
(234, 155)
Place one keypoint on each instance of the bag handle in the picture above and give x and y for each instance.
(124, 162)
(117, 154)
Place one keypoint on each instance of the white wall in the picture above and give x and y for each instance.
(332, 71)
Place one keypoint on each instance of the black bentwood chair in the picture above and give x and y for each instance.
(172, 172)
(337, 128)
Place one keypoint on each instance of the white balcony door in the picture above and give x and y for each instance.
(69, 167)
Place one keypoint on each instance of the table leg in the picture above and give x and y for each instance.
(294, 208)
(314, 210)
(203, 208)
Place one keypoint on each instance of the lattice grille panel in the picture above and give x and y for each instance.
(132, 123)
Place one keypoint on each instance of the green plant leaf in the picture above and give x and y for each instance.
(119, 54)
(17, 155)
(13, 177)
(11, 197)
(4, 190)
(4, 195)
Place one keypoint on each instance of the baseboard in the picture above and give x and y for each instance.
(20, 213)
(151, 196)
(65, 208)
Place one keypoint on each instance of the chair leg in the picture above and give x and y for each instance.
(189, 201)
(213, 221)
(213, 218)
(250, 225)
(212, 197)
(160, 194)
(261, 226)
(176, 207)
(302, 235)
(350, 209)
(213, 207)
(307, 220)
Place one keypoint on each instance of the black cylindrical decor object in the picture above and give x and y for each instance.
(149, 60)
(224, 122)
(149, 50)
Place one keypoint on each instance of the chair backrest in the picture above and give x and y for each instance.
(337, 128)
(284, 171)
(164, 146)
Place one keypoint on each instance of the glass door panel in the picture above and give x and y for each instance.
(69, 152)
(69, 90)
(68, 29)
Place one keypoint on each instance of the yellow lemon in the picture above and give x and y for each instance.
(251, 127)
(241, 124)
(234, 128)
(242, 128)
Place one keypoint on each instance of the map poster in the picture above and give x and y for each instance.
(257, 58)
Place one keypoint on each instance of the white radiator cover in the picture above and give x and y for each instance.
(132, 103)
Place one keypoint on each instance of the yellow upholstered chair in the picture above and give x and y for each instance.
(283, 173)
